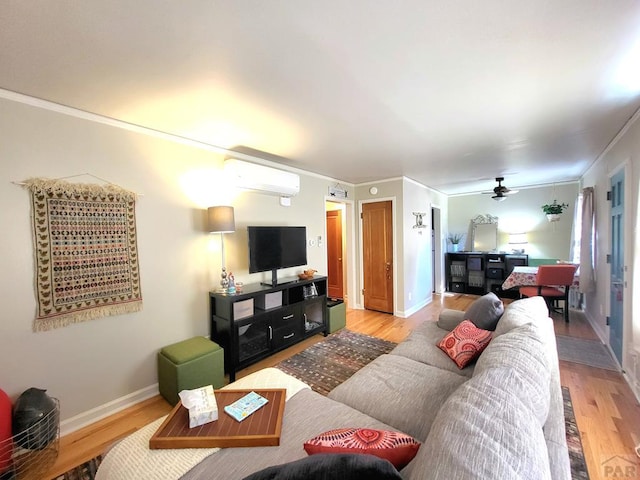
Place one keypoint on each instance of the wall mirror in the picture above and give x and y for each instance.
(484, 233)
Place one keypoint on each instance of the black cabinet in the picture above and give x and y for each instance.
(261, 320)
(252, 339)
(286, 326)
(480, 273)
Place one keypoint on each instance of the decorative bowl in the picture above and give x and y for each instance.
(307, 274)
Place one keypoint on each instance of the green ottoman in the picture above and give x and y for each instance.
(337, 315)
(189, 364)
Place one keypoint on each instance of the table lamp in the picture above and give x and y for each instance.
(221, 220)
(518, 239)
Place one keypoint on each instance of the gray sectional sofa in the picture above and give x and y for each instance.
(499, 418)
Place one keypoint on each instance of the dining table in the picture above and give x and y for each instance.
(522, 276)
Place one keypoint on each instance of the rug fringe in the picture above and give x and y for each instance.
(61, 187)
(63, 320)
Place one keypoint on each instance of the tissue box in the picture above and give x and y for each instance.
(202, 405)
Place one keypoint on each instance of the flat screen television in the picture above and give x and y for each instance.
(274, 247)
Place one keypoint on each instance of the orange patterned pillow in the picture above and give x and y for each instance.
(396, 447)
(465, 343)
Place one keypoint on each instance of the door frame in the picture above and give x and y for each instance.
(438, 265)
(349, 235)
(627, 325)
(394, 223)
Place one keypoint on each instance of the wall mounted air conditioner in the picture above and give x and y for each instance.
(252, 176)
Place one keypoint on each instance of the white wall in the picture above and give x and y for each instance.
(417, 259)
(90, 364)
(520, 213)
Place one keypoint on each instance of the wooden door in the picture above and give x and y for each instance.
(616, 315)
(335, 272)
(377, 253)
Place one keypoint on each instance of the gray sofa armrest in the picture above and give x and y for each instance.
(449, 319)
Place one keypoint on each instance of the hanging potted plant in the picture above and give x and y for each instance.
(455, 239)
(554, 210)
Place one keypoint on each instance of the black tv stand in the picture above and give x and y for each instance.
(258, 321)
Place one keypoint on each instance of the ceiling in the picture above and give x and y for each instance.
(448, 93)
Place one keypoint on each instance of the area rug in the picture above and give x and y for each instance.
(86, 257)
(576, 454)
(586, 352)
(86, 471)
(327, 364)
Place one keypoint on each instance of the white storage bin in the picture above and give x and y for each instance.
(269, 300)
(243, 309)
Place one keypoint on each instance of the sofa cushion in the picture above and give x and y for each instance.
(485, 311)
(465, 343)
(522, 350)
(422, 346)
(396, 447)
(448, 319)
(521, 312)
(400, 392)
(483, 430)
(322, 467)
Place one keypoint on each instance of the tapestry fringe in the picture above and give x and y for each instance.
(69, 189)
(45, 324)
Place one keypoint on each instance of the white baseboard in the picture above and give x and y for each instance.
(600, 332)
(633, 374)
(415, 308)
(91, 416)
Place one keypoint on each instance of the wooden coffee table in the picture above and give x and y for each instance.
(261, 428)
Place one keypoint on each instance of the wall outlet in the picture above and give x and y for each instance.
(409, 296)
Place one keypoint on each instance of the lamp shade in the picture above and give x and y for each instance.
(517, 238)
(221, 219)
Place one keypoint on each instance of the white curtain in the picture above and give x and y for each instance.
(576, 232)
(587, 242)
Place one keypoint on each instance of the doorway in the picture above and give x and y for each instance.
(377, 255)
(616, 314)
(335, 250)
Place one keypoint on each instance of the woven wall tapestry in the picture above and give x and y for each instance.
(86, 254)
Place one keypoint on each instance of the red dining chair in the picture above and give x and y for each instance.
(552, 283)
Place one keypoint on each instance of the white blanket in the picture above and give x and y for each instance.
(132, 459)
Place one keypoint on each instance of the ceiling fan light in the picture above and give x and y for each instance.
(499, 198)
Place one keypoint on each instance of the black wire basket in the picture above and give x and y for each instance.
(34, 450)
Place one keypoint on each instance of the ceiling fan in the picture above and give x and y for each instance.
(501, 192)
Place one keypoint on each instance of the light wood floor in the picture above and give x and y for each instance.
(607, 413)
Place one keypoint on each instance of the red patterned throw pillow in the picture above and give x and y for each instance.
(396, 447)
(465, 343)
